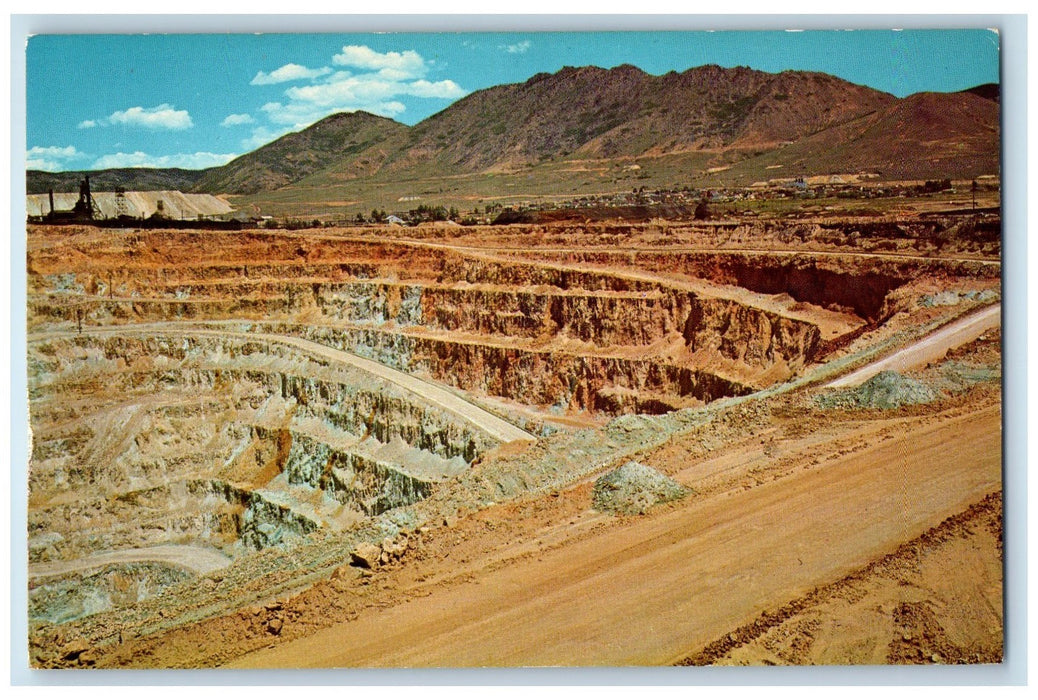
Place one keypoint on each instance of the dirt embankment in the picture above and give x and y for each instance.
(909, 607)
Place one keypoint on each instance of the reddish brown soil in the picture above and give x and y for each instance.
(882, 535)
(812, 536)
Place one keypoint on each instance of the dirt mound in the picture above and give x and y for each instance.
(885, 390)
(634, 488)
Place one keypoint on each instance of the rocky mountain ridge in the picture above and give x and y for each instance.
(595, 114)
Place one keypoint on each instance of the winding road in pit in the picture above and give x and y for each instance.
(202, 560)
(494, 426)
(925, 349)
(928, 348)
(199, 560)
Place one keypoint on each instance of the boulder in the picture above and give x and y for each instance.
(343, 572)
(394, 549)
(73, 649)
(365, 555)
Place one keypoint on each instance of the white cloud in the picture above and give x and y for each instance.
(287, 72)
(442, 88)
(138, 159)
(375, 84)
(237, 119)
(392, 65)
(87, 124)
(521, 47)
(369, 92)
(51, 157)
(55, 151)
(163, 116)
(300, 114)
(387, 109)
(352, 90)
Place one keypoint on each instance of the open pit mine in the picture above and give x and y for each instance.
(413, 446)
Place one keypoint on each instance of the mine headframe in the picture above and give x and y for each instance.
(86, 207)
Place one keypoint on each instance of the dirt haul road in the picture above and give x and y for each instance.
(668, 583)
(494, 426)
(929, 348)
(200, 560)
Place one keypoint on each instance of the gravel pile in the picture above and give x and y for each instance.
(634, 488)
(953, 298)
(886, 390)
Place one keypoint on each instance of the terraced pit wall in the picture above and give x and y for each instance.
(169, 421)
(846, 281)
(119, 421)
(594, 330)
(579, 340)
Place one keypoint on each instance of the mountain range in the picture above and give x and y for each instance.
(708, 125)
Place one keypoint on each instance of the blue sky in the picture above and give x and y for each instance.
(199, 100)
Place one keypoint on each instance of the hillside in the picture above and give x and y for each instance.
(349, 141)
(624, 112)
(922, 136)
(591, 130)
(588, 130)
(989, 91)
(955, 135)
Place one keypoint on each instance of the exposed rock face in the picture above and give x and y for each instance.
(354, 478)
(548, 378)
(806, 280)
(265, 523)
(273, 450)
(580, 330)
(372, 486)
(634, 488)
(750, 336)
(62, 598)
